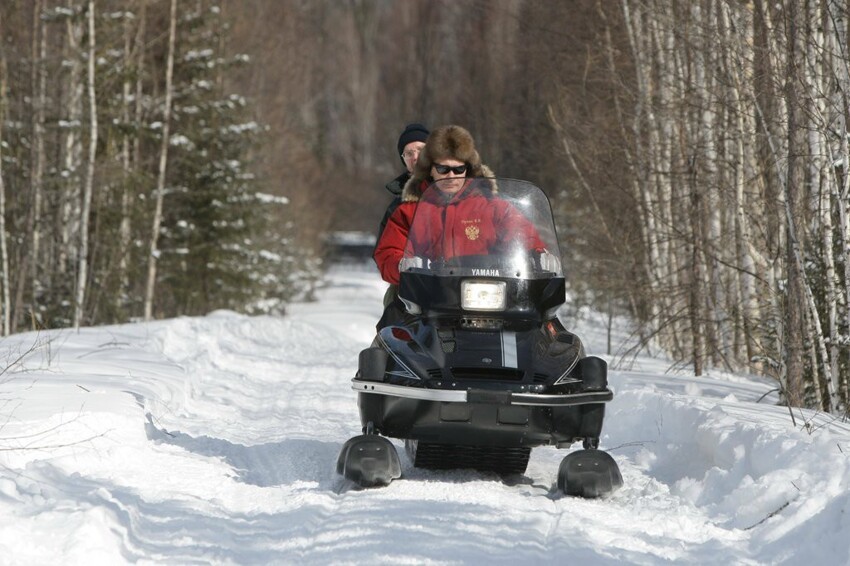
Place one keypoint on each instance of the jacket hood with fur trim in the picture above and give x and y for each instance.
(414, 186)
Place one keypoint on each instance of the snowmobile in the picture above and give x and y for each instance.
(480, 370)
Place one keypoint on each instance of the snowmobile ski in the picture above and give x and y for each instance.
(369, 460)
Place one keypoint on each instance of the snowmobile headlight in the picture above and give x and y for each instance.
(482, 295)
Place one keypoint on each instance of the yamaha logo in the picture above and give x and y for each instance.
(485, 272)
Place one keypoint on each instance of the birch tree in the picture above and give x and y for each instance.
(83, 254)
(740, 69)
(841, 189)
(735, 96)
(163, 163)
(5, 305)
(69, 213)
(39, 96)
(131, 107)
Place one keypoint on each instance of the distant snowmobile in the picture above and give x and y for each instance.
(482, 370)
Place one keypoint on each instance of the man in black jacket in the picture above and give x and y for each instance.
(410, 142)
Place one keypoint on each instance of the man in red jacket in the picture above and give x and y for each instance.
(464, 217)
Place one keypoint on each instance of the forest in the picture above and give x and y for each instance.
(161, 158)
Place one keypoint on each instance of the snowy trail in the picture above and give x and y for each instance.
(214, 439)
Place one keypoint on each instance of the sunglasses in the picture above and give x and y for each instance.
(444, 169)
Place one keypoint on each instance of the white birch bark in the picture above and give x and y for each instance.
(660, 127)
(82, 273)
(818, 177)
(740, 69)
(708, 209)
(719, 218)
(798, 284)
(841, 193)
(126, 165)
(621, 122)
(70, 199)
(730, 65)
(775, 211)
(841, 196)
(163, 163)
(39, 95)
(643, 114)
(830, 64)
(5, 305)
(817, 69)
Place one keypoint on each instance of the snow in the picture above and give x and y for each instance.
(214, 440)
(351, 238)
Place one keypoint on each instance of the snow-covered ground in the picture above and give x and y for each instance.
(214, 440)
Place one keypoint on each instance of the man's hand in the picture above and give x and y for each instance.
(547, 261)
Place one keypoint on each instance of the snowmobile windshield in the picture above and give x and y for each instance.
(483, 227)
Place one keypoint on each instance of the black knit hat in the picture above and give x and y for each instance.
(412, 133)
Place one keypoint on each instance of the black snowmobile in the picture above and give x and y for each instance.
(481, 371)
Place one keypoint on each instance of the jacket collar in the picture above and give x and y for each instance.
(414, 186)
(396, 185)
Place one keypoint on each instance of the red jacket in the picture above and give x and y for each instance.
(470, 223)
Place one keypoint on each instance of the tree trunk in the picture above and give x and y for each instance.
(70, 198)
(163, 162)
(739, 68)
(127, 192)
(39, 96)
(639, 168)
(696, 283)
(88, 189)
(794, 185)
(5, 305)
(842, 197)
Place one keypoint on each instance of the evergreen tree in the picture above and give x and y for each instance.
(218, 246)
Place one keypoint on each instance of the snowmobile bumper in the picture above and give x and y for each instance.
(481, 417)
(484, 395)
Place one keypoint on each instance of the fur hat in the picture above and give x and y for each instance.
(451, 142)
(445, 142)
(412, 132)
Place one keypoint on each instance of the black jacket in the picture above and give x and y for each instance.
(394, 187)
